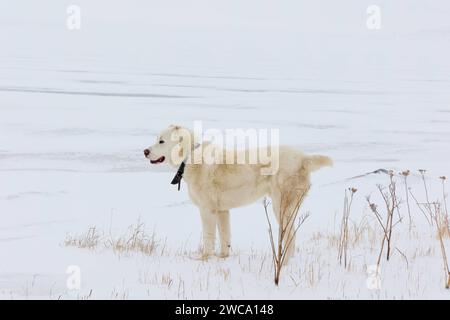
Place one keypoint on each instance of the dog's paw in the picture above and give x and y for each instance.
(199, 256)
(223, 255)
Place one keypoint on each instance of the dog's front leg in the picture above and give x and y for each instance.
(224, 233)
(209, 222)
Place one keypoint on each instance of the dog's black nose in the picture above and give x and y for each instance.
(146, 152)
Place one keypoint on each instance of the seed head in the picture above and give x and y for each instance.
(405, 173)
(352, 190)
(373, 207)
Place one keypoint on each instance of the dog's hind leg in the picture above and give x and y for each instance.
(286, 202)
(289, 236)
(209, 223)
(224, 233)
(283, 226)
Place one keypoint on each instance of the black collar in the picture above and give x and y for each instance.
(179, 175)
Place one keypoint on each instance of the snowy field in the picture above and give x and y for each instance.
(78, 107)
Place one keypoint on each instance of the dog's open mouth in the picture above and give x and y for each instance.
(159, 160)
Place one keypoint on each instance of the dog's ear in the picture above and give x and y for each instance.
(174, 127)
(178, 133)
(184, 139)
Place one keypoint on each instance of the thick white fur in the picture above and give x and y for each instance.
(217, 188)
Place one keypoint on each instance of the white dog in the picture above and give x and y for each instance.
(218, 187)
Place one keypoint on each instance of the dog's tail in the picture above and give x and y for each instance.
(315, 162)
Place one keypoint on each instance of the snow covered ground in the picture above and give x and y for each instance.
(78, 107)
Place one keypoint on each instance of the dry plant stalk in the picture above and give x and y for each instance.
(446, 219)
(439, 219)
(391, 204)
(88, 240)
(419, 205)
(135, 240)
(405, 175)
(358, 231)
(427, 207)
(427, 204)
(287, 228)
(344, 233)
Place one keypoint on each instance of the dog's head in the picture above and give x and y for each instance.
(172, 146)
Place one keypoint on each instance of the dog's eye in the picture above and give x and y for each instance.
(161, 141)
